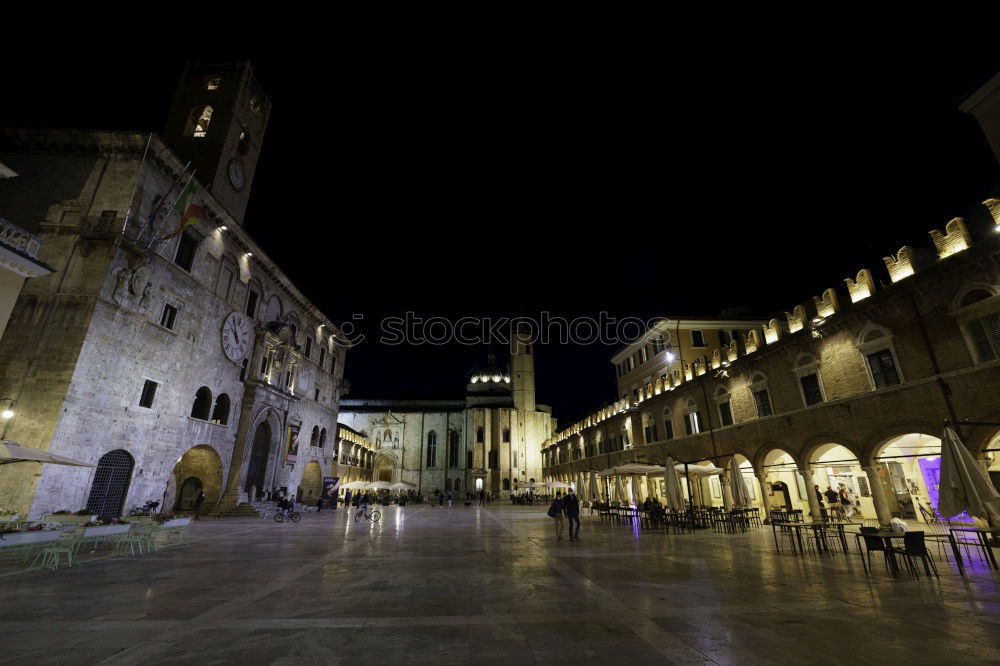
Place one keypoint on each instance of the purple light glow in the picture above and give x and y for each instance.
(931, 470)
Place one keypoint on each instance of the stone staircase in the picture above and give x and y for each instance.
(238, 511)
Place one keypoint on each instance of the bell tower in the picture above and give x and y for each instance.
(217, 120)
(523, 369)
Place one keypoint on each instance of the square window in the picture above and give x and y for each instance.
(252, 297)
(322, 355)
(810, 389)
(763, 401)
(213, 83)
(726, 413)
(697, 338)
(168, 317)
(883, 369)
(186, 249)
(148, 393)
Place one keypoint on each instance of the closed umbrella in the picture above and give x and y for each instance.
(581, 487)
(635, 489)
(11, 452)
(595, 494)
(675, 496)
(963, 485)
(741, 498)
(620, 496)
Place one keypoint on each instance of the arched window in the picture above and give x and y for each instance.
(761, 395)
(198, 122)
(220, 414)
(202, 406)
(692, 419)
(875, 344)
(506, 484)
(724, 403)
(979, 317)
(110, 485)
(432, 444)
(480, 435)
(807, 370)
(322, 438)
(453, 449)
(228, 277)
(314, 438)
(506, 434)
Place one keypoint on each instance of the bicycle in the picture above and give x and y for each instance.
(293, 516)
(374, 516)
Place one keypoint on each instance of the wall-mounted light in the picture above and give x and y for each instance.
(222, 227)
(248, 254)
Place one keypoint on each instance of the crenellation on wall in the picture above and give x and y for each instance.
(954, 239)
(860, 287)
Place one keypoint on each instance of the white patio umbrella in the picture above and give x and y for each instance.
(378, 485)
(699, 470)
(11, 452)
(556, 484)
(741, 498)
(963, 485)
(402, 485)
(675, 496)
(354, 485)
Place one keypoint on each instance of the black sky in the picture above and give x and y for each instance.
(455, 185)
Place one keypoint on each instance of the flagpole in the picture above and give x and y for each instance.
(152, 215)
(131, 201)
(154, 239)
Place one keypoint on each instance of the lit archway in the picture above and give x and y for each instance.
(785, 486)
(909, 468)
(199, 469)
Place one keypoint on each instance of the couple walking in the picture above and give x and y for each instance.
(569, 506)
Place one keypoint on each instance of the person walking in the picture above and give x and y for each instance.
(832, 502)
(556, 513)
(450, 497)
(572, 507)
(198, 504)
(441, 500)
(845, 502)
(347, 499)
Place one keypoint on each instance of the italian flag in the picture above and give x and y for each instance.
(190, 212)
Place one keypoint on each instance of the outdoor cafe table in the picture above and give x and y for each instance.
(984, 543)
(815, 526)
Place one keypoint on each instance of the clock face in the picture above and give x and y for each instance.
(236, 178)
(236, 334)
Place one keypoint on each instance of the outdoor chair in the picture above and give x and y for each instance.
(915, 546)
(138, 537)
(873, 544)
(65, 545)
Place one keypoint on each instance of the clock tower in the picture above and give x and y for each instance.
(217, 120)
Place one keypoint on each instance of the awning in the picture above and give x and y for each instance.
(11, 452)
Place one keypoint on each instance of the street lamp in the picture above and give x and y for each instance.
(8, 413)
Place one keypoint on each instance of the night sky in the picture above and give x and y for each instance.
(502, 186)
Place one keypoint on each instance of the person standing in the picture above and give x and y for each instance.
(832, 502)
(556, 513)
(450, 498)
(347, 498)
(198, 504)
(572, 507)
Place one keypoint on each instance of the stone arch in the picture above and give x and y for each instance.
(967, 294)
(198, 121)
(764, 452)
(260, 448)
(878, 440)
(872, 332)
(274, 309)
(385, 462)
(311, 486)
(978, 438)
(812, 446)
(201, 463)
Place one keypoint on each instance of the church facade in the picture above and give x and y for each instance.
(490, 440)
(166, 349)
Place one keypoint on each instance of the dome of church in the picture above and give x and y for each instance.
(491, 372)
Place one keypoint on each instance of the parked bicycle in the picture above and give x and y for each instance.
(146, 509)
(374, 516)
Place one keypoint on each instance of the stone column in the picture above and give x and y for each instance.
(878, 496)
(243, 441)
(814, 508)
(764, 497)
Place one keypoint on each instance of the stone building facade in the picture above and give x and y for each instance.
(851, 387)
(167, 349)
(490, 440)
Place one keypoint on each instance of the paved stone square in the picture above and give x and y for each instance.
(491, 585)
